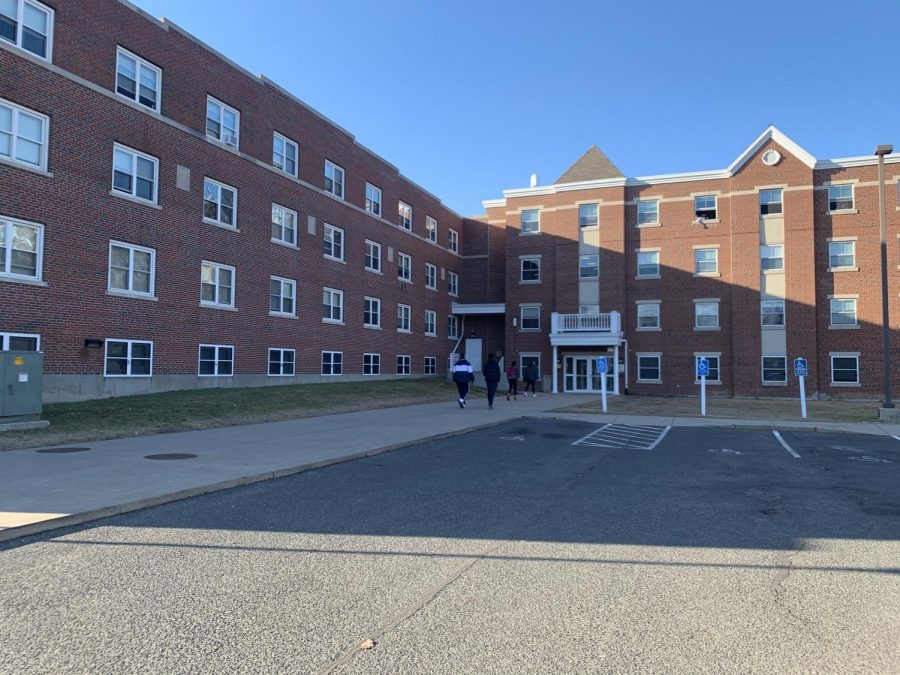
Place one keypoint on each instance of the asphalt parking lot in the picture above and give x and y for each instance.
(534, 546)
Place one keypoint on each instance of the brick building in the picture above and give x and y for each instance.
(169, 220)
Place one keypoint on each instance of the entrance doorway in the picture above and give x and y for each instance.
(582, 376)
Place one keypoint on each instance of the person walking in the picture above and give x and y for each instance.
(491, 379)
(463, 376)
(530, 375)
(512, 381)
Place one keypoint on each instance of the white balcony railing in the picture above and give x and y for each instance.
(586, 323)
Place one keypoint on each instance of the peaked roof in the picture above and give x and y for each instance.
(772, 133)
(592, 165)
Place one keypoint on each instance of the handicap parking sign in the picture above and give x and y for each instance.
(702, 367)
(801, 368)
(602, 365)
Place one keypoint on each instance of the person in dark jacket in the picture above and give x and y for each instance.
(491, 379)
(463, 376)
(512, 380)
(530, 375)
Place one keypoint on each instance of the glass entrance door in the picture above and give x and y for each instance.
(581, 374)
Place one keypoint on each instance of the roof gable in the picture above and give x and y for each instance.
(592, 165)
(771, 134)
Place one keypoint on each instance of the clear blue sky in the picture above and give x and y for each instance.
(470, 97)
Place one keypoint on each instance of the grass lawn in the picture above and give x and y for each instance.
(206, 408)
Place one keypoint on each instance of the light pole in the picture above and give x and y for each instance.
(880, 152)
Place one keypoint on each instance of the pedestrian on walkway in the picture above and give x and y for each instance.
(463, 376)
(512, 381)
(530, 375)
(491, 379)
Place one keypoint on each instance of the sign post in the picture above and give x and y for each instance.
(702, 372)
(801, 370)
(602, 368)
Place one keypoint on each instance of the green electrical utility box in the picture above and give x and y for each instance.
(21, 385)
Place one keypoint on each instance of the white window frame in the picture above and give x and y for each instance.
(5, 338)
(430, 366)
(529, 308)
(844, 355)
(765, 206)
(20, 4)
(286, 144)
(430, 323)
(132, 249)
(648, 355)
(333, 299)
(698, 272)
(768, 304)
(404, 364)
(139, 64)
(831, 255)
(530, 225)
(647, 217)
(586, 219)
(135, 155)
(217, 360)
(712, 212)
(328, 238)
(697, 314)
(404, 267)
(831, 313)
(582, 267)
(286, 213)
(219, 205)
(281, 362)
(337, 185)
(654, 275)
(373, 199)
(6, 263)
(430, 276)
(832, 200)
(644, 311)
(709, 356)
(534, 260)
(404, 318)
(453, 283)
(372, 307)
(374, 363)
(16, 111)
(406, 222)
(283, 283)
(452, 327)
(431, 229)
(763, 370)
(223, 136)
(453, 240)
(128, 358)
(770, 252)
(218, 267)
(331, 364)
(372, 253)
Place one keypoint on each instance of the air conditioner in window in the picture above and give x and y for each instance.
(229, 139)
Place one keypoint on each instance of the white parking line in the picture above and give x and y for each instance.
(897, 437)
(785, 445)
(583, 438)
(662, 436)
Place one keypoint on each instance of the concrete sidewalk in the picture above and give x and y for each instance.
(43, 491)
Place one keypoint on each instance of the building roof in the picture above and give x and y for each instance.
(592, 165)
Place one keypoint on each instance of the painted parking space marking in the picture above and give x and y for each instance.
(633, 436)
(785, 445)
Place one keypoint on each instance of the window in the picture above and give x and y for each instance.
(371, 364)
(134, 173)
(430, 322)
(28, 25)
(531, 221)
(774, 369)
(430, 365)
(771, 257)
(771, 312)
(332, 305)
(371, 312)
(405, 212)
(403, 318)
(219, 203)
(404, 267)
(705, 207)
(706, 261)
(706, 314)
(332, 363)
(530, 318)
(430, 276)
(714, 376)
(842, 255)
(589, 267)
(769, 202)
(530, 270)
(452, 327)
(845, 368)
(284, 225)
(588, 215)
(648, 212)
(216, 361)
(588, 309)
(282, 294)
(430, 229)
(648, 316)
(403, 364)
(453, 283)
(20, 342)
(843, 312)
(649, 367)
(23, 135)
(840, 197)
(281, 362)
(373, 199)
(21, 249)
(137, 79)
(222, 122)
(131, 268)
(334, 242)
(284, 154)
(648, 264)
(128, 358)
(373, 256)
(454, 240)
(334, 179)
(216, 285)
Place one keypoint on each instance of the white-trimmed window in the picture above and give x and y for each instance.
(706, 314)
(284, 154)
(530, 221)
(28, 25)
(334, 179)
(843, 312)
(134, 173)
(430, 276)
(332, 305)
(216, 361)
(589, 267)
(333, 242)
(453, 240)
(131, 269)
(530, 270)
(648, 264)
(771, 257)
(705, 207)
(588, 215)
(373, 256)
(647, 212)
(842, 255)
(281, 362)
(431, 226)
(844, 368)
(715, 376)
(371, 364)
(770, 202)
(20, 342)
(21, 249)
(452, 327)
(453, 283)
(223, 123)
(23, 135)
(137, 79)
(530, 318)
(219, 203)
(128, 358)
(430, 365)
(404, 312)
(284, 225)
(771, 312)
(774, 369)
(430, 322)
(282, 296)
(404, 364)
(373, 199)
(404, 267)
(840, 197)
(332, 363)
(706, 261)
(588, 309)
(371, 312)
(404, 211)
(649, 368)
(648, 315)
(216, 285)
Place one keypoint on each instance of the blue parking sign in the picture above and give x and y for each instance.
(801, 368)
(602, 365)
(702, 368)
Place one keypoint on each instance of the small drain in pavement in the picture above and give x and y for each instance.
(171, 455)
(61, 451)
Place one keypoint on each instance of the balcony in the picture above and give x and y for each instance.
(586, 329)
